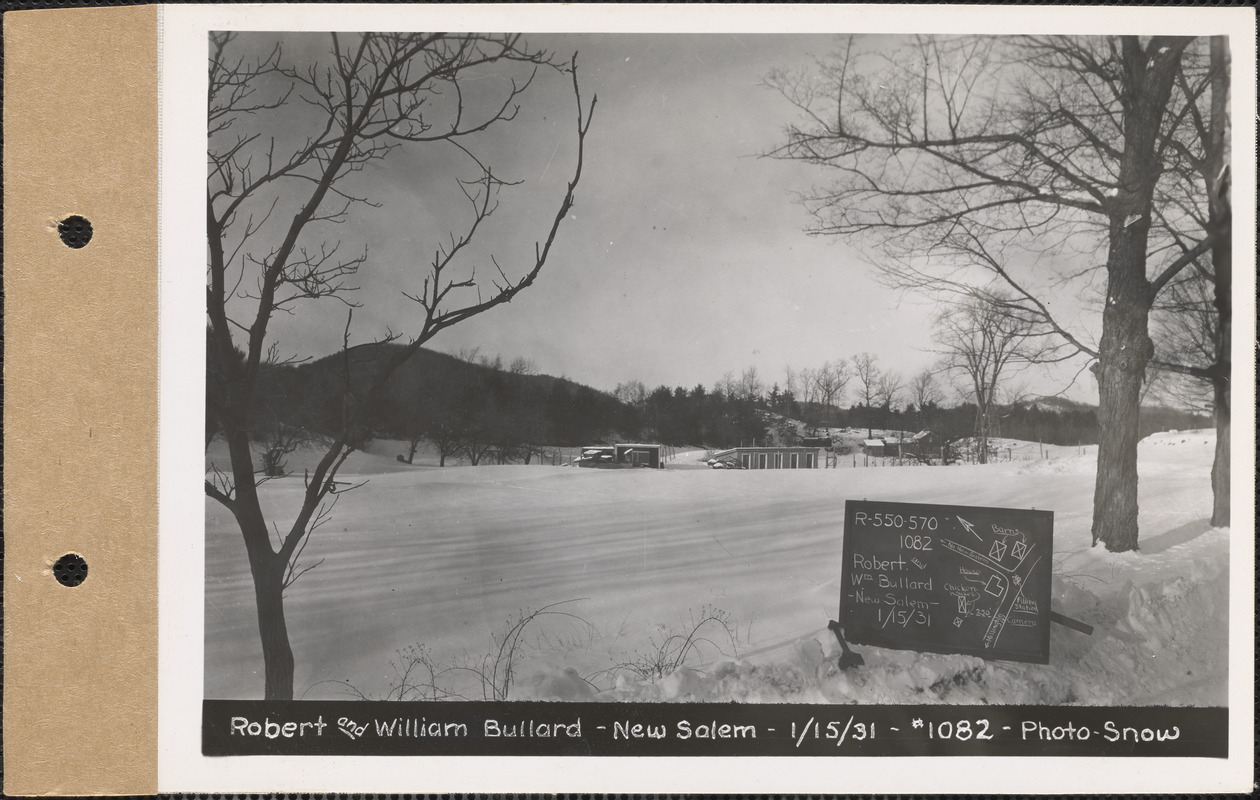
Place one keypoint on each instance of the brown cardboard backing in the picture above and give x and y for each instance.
(80, 406)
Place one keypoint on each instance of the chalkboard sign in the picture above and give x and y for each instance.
(948, 579)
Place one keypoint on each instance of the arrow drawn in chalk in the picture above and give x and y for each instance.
(970, 528)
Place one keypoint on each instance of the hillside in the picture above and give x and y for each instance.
(433, 389)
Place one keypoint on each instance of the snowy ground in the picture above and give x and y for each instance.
(448, 557)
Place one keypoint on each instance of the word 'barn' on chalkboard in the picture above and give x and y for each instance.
(948, 579)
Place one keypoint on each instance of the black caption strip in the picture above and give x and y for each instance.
(256, 727)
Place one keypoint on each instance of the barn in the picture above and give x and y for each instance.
(765, 458)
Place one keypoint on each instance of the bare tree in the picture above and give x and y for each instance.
(868, 377)
(280, 177)
(887, 393)
(482, 436)
(438, 422)
(523, 366)
(279, 442)
(1186, 331)
(446, 431)
(632, 393)
(1203, 173)
(952, 153)
(750, 386)
(807, 377)
(791, 383)
(414, 440)
(925, 391)
(727, 386)
(830, 380)
(983, 340)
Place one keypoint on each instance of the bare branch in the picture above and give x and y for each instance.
(271, 194)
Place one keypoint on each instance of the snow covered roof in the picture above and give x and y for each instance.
(873, 443)
(784, 449)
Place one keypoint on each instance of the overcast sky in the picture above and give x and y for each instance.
(685, 255)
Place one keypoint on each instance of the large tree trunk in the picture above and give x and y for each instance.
(1220, 464)
(1220, 223)
(1222, 259)
(1126, 346)
(272, 630)
(1124, 352)
(268, 573)
(982, 436)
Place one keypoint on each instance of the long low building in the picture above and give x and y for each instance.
(765, 458)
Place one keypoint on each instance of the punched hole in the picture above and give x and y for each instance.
(70, 570)
(75, 231)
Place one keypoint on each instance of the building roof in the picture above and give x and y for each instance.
(783, 448)
(618, 444)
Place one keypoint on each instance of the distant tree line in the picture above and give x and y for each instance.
(476, 409)
(696, 416)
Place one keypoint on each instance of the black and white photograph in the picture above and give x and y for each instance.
(741, 369)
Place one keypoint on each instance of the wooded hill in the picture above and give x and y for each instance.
(453, 403)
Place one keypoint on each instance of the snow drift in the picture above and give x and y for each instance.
(451, 558)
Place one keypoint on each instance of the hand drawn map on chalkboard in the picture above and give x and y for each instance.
(948, 579)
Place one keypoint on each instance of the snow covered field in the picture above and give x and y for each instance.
(447, 557)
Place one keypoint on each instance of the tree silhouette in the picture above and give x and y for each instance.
(967, 163)
(284, 142)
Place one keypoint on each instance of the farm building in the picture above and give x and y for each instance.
(919, 445)
(765, 458)
(922, 444)
(873, 447)
(621, 456)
